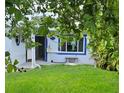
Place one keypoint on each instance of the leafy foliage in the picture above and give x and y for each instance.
(10, 66)
(97, 18)
(104, 40)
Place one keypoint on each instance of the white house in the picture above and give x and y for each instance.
(50, 51)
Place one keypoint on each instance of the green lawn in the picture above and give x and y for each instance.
(63, 79)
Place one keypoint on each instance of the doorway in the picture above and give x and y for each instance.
(40, 50)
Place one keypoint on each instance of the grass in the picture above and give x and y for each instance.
(63, 79)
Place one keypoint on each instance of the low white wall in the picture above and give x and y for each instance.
(17, 52)
(82, 59)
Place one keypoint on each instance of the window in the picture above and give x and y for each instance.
(74, 46)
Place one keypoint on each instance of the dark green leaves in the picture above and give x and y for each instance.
(18, 15)
(7, 54)
(16, 62)
(10, 66)
(43, 31)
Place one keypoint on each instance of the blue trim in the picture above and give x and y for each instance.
(84, 49)
(58, 44)
(52, 38)
(45, 49)
(71, 53)
(85, 44)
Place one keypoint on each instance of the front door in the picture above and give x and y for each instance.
(40, 50)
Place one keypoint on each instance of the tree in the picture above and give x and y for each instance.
(97, 18)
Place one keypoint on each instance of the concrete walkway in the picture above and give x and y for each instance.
(40, 62)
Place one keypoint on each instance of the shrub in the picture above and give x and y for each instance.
(10, 66)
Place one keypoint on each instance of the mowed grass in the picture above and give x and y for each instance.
(63, 79)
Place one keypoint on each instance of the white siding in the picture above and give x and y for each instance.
(17, 52)
(52, 54)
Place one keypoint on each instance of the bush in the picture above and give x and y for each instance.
(10, 66)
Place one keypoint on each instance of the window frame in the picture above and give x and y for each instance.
(84, 40)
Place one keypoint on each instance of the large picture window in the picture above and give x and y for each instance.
(73, 46)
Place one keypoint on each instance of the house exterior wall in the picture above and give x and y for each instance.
(16, 52)
(58, 56)
(19, 52)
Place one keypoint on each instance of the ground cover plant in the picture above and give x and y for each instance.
(63, 79)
